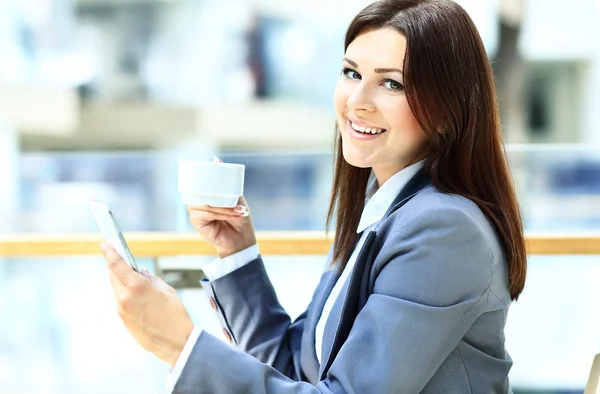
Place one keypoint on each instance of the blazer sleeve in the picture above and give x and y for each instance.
(248, 309)
(434, 272)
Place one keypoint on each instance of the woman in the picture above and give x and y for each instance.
(427, 256)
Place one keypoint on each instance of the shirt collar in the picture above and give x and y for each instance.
(379, 199)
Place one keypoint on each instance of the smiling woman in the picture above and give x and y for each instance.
(419, 70)
(426, 259)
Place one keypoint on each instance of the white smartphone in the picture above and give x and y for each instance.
(111, 233)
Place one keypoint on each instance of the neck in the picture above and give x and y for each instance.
(383, 173)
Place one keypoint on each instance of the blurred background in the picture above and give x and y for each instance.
(101, 98)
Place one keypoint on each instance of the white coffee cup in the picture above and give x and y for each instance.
(210, 183)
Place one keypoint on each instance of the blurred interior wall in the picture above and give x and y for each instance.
(9, 191)
(591, 126)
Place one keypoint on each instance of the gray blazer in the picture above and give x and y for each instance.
(423, 312)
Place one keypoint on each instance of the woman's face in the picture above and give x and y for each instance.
(377, 126)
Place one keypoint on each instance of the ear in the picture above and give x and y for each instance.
(443, 128)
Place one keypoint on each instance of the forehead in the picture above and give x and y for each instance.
(380, 48)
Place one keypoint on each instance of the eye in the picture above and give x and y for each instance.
(392, 85)
(350, 73)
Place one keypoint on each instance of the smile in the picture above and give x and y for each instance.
(366, 130)
(363, 132)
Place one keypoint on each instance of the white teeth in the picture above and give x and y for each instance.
(366, 129)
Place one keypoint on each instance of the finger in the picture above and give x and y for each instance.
(242, 203)
(217, 160)
(155, 280)
(121, 270)
(208, 208)
(203, 218)
(151, 277)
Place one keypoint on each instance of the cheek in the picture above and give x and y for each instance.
(403, 121)
(340, 99)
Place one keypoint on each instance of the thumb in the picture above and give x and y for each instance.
(122, 271)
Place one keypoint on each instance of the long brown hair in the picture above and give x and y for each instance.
(450, 89)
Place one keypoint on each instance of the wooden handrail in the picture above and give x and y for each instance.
(156, 244)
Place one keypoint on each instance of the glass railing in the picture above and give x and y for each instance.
(285, 192)
(558, 186)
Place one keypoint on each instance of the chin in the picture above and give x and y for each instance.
(356, 160)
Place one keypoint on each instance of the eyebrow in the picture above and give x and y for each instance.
(377, 70)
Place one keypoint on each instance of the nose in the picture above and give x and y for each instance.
(360, 99)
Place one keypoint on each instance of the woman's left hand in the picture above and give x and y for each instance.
(150, 309)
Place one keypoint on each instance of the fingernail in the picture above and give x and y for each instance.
(217, 160)
(242, 211)
(145, 270)
(103, 246)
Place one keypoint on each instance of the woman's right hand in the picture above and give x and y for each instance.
(229, 230)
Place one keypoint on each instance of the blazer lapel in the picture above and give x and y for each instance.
(414, 186)
(350, 306)
(308, 357)
(359, 288)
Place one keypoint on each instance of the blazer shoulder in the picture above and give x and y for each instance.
(432, 199)
(432, 217)
(434, 205)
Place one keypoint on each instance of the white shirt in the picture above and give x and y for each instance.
(377, 203)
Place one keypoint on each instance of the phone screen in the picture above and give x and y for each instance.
(111, 233)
